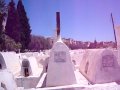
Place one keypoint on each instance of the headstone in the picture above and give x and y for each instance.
(30, 65)
(60, 68)
(25, 68)
(109, 69)
(100, 66)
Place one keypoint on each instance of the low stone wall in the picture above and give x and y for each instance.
(27, 82)
(111, 86)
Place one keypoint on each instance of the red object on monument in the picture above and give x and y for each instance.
(58, 23)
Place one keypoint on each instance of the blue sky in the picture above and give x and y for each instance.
(83, 20)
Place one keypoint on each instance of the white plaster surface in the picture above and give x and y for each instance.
(60, 68)
(34, 66)
(106, 86)
(35, 74)
(96, 73)
(81, 80)
(12, 62)
(8, 80)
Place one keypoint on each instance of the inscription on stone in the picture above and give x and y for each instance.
(108, 61)
(60, 56)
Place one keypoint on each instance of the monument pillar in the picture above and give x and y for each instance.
(57, 31)
(58, 23)
(60, 67)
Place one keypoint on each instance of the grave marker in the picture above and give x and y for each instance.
(60, 68)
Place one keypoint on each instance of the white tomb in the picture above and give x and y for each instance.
(60, 68)
(100, 66)
(7, 81)
(11, 61)
(30, 73)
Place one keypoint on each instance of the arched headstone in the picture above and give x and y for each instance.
(26, 69)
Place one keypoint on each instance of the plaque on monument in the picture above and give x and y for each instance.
(108, 61)
(60, 56)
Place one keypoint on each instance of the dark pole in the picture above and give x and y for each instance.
(114, 30)
(58, 23)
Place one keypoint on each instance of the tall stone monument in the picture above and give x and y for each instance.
(60, 69)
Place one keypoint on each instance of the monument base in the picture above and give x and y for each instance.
(60, 67)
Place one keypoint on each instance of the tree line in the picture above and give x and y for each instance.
(40, 43)
(17, 32)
